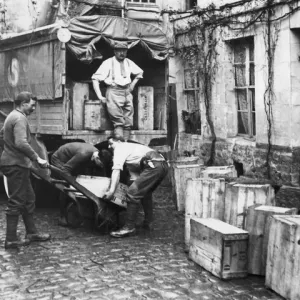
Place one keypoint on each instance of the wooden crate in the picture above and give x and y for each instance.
(99, 185)
(204, 198)
(219, 248)
(145, 108)
(229, 171)
(258, 220)
(80, 93)
(283, 259)
(96, 116)
(238, 197)
(180, 175)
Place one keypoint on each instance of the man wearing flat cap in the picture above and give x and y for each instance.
(116, 72)
(16, 161)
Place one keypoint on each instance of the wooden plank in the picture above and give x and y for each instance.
(51, 129)
(193, 205)
(219, 247)
(181, 174)
(220, 199)
(238, 197)
(80, 94)
(51, 108)
(172, 116)
(219, 171)
(283, 258)
(96, 116)
(99, 186)
(92, 115)
(258, 220)
(160, 120)
(145, 107)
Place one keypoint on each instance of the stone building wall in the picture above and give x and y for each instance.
(248, 157)
(231, 147)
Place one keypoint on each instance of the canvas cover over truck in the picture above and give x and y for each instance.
(38, 62)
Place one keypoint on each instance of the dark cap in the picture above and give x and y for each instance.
(24, 97)
(120, 45)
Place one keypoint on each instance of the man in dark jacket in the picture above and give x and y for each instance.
(74, 159)
(16, 161)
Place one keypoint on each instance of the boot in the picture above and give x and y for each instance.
(11, 240)
(118, 131)
(129, 227)
(31, 231)
(126, 134)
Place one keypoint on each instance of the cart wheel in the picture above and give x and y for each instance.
(73, 216)
(105, 219)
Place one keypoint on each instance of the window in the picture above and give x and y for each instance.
(244, 72)
(192, 117)
(142, 1)
(190, 4)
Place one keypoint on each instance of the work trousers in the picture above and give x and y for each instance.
(148, 181)
(21, 195)
(120, 106)
(63, 198)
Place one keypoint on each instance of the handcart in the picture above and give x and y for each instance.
(82, 202)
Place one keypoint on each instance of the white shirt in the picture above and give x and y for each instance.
(104, 72)
(131, 155)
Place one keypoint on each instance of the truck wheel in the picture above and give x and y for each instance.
(74, 219)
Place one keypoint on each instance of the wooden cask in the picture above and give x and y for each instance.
(204, 198)
(238, 197)
(258, 220)
(180, 175)
(283, 259)
(145, 108)
(228, 171)
(219, 248)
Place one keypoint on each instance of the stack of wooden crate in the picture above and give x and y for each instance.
(233, 229)
(258, 222)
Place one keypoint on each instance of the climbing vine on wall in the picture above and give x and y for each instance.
(271, 38)
(203, 32)
(202, 57)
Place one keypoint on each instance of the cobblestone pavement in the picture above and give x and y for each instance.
(82, 264)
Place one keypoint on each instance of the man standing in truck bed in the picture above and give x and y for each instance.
(116, 73)
(15, 165)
